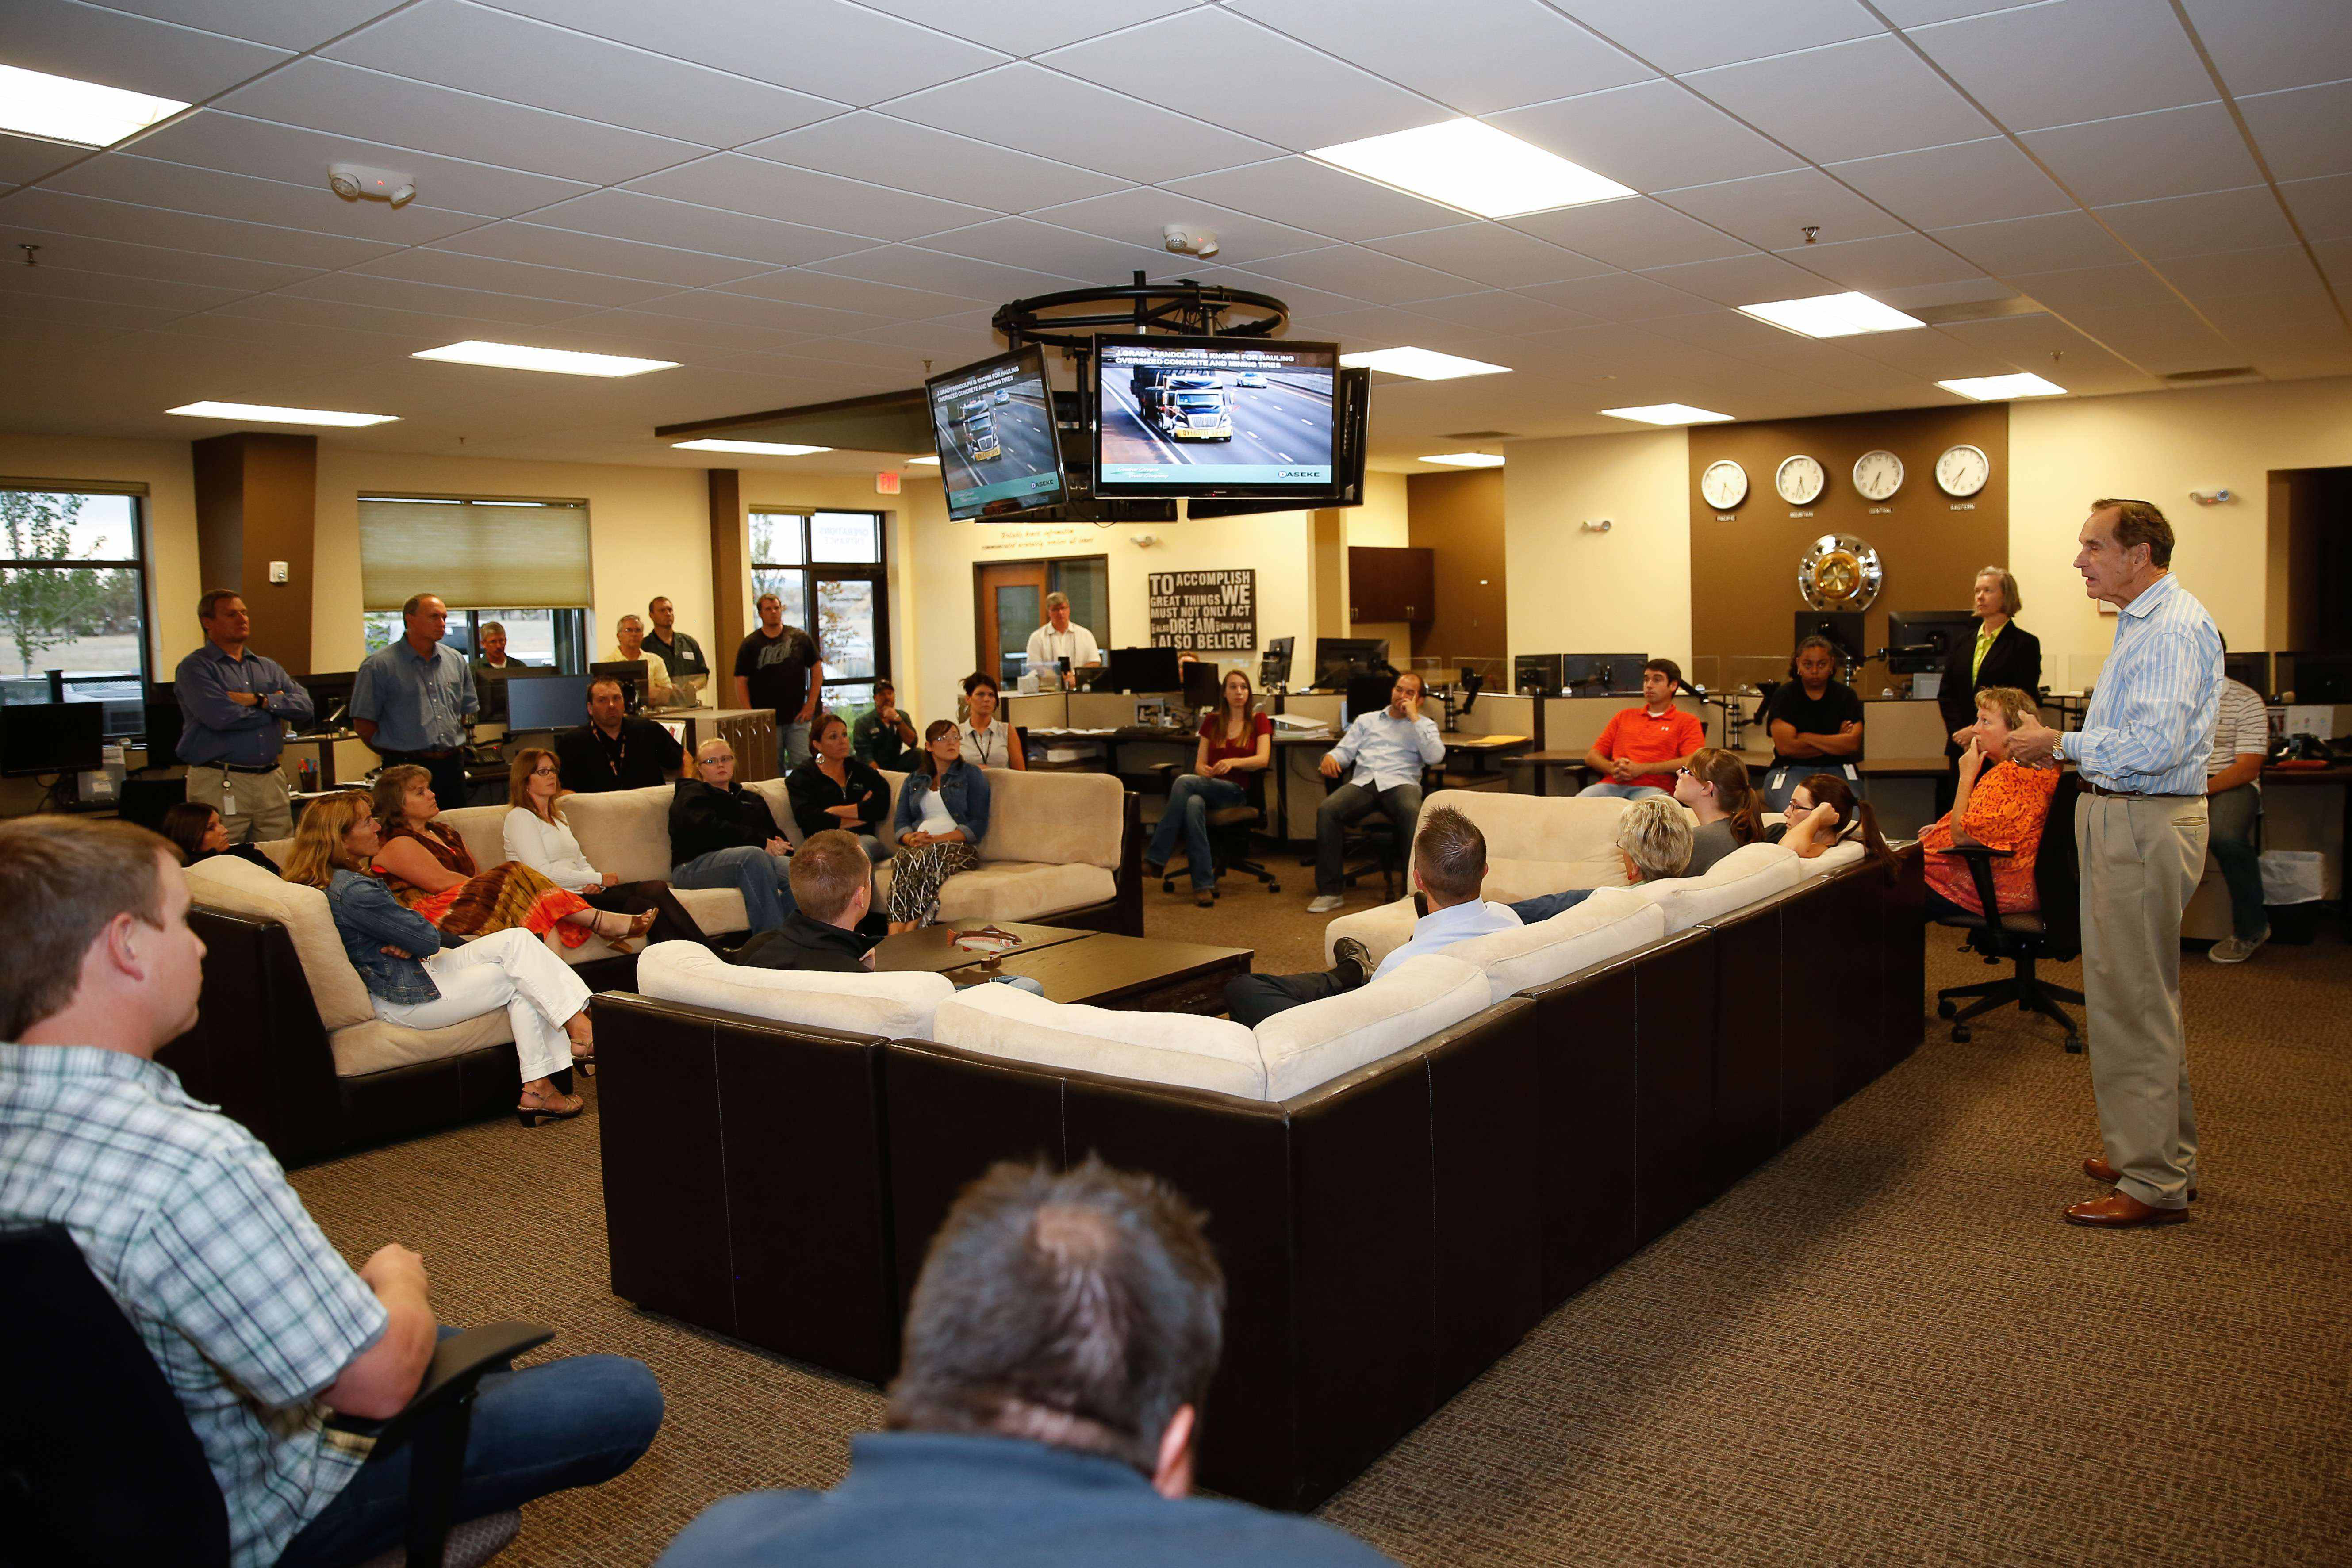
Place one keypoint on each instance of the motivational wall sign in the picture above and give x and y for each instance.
(1208, 612)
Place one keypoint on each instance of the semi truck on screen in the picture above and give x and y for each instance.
(1187, 405)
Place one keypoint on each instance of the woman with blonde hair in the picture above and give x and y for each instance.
(430, 870)
(1997, 802)
(1713, 784)
(414, 981)
(1654, 844)
(537, 835)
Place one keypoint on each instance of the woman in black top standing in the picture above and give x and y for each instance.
(833, 789)
(1816, 723)
(2002, 653)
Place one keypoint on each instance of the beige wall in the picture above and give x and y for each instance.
(1573, 592)
(1382, 520)
(173, 580)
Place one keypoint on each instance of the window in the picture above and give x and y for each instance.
(520, 562)
(543, 638)
(73, 599)
(832, 560)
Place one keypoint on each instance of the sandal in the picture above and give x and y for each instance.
(538, 1107)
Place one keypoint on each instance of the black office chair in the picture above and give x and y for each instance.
(2053, 932)
(1229, 835)
(98, 1467)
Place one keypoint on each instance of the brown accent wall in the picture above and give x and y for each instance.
(1460, 517)
(257, 501)
(1744, 596)
(729, 575)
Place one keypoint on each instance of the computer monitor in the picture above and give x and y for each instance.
(52, 738)
(1215, 417)
(629, 672)
(997, 438)
(1920, 642)
(331, 699)
(2315, 678)
(1339, 658)
(1204, 684)
(547, 701)
(1536, 673)
(1273, 664)
(2251, 670)
(1142, 669)
(1842, 627)
(1602, 674)
(164, 722)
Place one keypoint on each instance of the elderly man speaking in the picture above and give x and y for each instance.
(2140, 834)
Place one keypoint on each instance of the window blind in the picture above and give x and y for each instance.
(473, 553)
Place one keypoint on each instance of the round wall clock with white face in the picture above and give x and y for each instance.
(1724, 485)
(1877, 475)
(1800, 479)
(1963, 470)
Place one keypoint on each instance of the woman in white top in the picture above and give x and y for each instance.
(983, 739)
(537, 835)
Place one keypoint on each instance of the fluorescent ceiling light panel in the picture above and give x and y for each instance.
(562, 361)
(1423, 365)
(756, 448)
(64, 110)
(1832, 315)
(933, 460)
(1467, 459)
(1668, 413)
(264, 412)
(1469, 165)
(1996, 388)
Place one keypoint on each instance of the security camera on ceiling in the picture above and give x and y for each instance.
(1187, 241)
(353, 182)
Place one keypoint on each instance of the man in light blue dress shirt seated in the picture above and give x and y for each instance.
(1449, 865)
(415, 701)
(1388, 748)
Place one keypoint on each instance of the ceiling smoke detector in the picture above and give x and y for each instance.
(1186, 240)
(355, 182)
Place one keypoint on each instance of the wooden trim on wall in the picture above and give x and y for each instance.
(730, 571)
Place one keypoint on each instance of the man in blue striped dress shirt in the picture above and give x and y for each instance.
(2140, 833)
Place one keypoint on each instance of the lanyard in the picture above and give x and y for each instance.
(985, 748)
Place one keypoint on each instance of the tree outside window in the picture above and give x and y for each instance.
(73, 602)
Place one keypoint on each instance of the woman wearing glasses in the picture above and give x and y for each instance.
(538, 835)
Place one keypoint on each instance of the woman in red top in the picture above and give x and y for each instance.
(1235, 739)
(1998, 804)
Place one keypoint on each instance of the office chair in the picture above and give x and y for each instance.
(2053, 932)
(1229, 835)
(98, 1467)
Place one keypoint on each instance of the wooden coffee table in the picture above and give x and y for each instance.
(933, 948)
(1097, 968)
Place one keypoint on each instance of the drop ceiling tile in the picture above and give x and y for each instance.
(1501, 311)
(664, 336)
(849, 52)
(1741, 280)
(1632, 233)
(2028, 342)
(321, 347)
(1622, 297)
(1365, 275)
(91, 43)
(1931, 355)
(1042, 248)
(302, 27)
(1890, 261)
(910, 267)
(27, 158)
(2324, 207)
(2275, 270)
(778, 315)
(818, 353)
(2268, 317)
(1316, 196)
(1682, 35)
(63, 310)
(1034, 26)
(1305, 302)
(733, 183)
(949, 342)
(2277, 44)
(1384, 326)
(156, 294)
(177, 187)
(2303, 133)
(2142, 157)
(1474, 55)
(2025, 66)
(1282, 92)
(1858, 99)
(481, 306)
(1771, 210)
(138, 224)
(497, 276)
(2126, 286)
(2244, 219)
(802, 287)
(297, 156)
(654, 220)
(2335, 260)
(1966, 182)
(327, 95)
(1492, 254)
(618, 258)
(2161, 342)
(2053, 242)
(882, 150)
(500, 55)
(1652, 136)
(1140, 213)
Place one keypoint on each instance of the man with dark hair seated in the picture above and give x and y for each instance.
(1449, 865)
(1061, 1340)
(832, 884)
(258, 1324)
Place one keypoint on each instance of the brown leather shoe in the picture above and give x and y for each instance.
(2121, 1211)
(2098, 1170)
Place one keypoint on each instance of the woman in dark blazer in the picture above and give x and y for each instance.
(2013, 659)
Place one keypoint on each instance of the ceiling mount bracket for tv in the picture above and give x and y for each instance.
(1181, 306)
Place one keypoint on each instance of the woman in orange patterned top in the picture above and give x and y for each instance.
(1998, 804)
(430, 871)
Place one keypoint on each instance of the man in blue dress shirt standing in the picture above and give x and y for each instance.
(415, 701)
(234, 706)
(2140, 833)
(1388, 748)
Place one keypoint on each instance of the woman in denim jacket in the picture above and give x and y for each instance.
(942, 817)
(416, 981)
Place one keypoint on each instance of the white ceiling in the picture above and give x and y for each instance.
(803, 200)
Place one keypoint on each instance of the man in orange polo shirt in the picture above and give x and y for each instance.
(1641, 748)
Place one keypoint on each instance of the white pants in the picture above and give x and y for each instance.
(511, 969)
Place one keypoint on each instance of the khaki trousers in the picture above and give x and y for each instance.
(2141, 862)
(253, 807)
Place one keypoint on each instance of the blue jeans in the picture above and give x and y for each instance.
(1621, 791)
(547, 1428)
(1189, 804)
(792, 746)
(765, 881)
(1546, 905)
(2231, 818)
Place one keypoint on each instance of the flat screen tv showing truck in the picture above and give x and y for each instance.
(1213, 417)
(993, 424)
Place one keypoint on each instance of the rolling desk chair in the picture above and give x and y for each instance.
(1229, 835)
(2053, 932)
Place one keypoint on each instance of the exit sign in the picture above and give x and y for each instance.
(886, 483)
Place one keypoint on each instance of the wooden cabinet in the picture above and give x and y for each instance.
(1387, 583)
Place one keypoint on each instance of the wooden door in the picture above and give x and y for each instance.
(1011, 605)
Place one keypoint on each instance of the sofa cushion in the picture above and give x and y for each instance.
(890, 1004)
(484, 830)
(626, 832)
(717, 911)
(1750, 872)
(1059, 819)
(1175, 1048)
(1612, 922)
(227, 882)
(1317, 1042)
(1541, 845)
(1836, 857)
(376, 1046)
(1021, 890)
(1383, 929)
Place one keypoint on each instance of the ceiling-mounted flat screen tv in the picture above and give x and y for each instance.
(994, 425)
(1213, 417)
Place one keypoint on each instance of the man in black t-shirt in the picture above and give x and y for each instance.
(1816, 724)
(778, 667)
(612, 750)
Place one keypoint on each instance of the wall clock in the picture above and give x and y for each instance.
(1877, 475)
(1800, 479)
(1962, 470)
(1840, 572)
(1724, 485)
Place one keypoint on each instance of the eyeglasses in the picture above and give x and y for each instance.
(543, 771)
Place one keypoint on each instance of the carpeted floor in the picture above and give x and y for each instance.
(1880, 1348)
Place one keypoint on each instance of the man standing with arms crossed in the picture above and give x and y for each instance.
(779, 667)
(234, 709)
(2140, 833)
(689, 670)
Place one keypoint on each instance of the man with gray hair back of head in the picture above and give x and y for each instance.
(1048, 1408)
